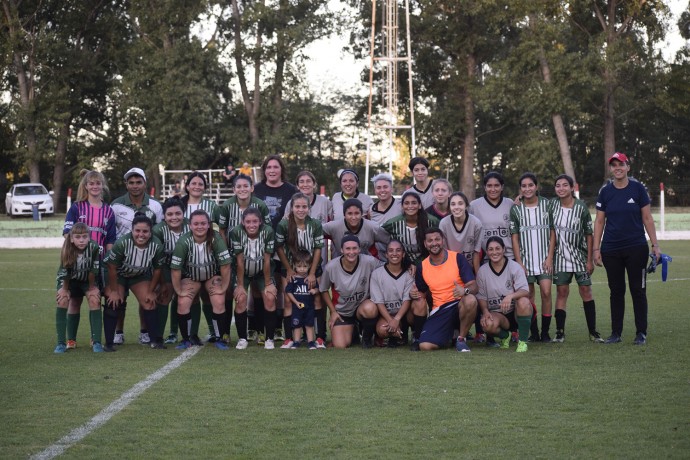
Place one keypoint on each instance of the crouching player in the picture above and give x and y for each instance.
(504, 296)
(390, 288)
(134, 263)
(302, 298)
(253, 244)
(76, 278)
(448, 277)
(201, 259)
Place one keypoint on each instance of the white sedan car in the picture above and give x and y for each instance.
(22, 197)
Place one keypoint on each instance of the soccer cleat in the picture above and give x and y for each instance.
(522, 347)
(157, 345)
(379, 342)
(184, 345)
(71, 344)
(312, 345)
(196, 341)
(60, 348)
(119, 338)
(462, 347)
(596, 337)
(109, 349)
(480, 338)
(279, 335)
(545, 337)
(505, 343)
(221, 345)
(393, 342)
(144, 338)
(172, 338)
(210, 338)
(269, 345)
(560, 336)
(242, 344)
(491, 342)
(97, 347)
(287, 344)
(613, 338)
(260, 339)
(226, 338)
(515, 337)
(294, 346)
(533, 338)
(320, 343)
(415, 345)
(252, 335)
(640, 339)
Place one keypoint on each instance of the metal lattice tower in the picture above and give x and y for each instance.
(388, 61)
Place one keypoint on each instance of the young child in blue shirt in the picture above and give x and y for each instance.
(302, 298)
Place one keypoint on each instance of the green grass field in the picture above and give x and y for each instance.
(570, 400)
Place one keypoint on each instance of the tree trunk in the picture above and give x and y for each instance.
(26, 92)
(59, 167)
(558, 125)
(281, 59)
(251, 106)
(467, 172)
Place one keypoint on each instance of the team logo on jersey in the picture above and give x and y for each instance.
(363, 281)
(506, 218)
(509, 285)
(83, 218)
(631, 201)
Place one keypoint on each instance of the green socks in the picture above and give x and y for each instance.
(96, 321)
(61, 324)
(72, 325)
(524, 323)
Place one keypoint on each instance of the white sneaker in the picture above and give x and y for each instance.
(144, 338)
(269, 345)
(119, 338)
(287, 344)
(242, 344)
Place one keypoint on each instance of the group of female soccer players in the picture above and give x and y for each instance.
(270, 255)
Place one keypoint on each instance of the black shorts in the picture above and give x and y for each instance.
(346, 320)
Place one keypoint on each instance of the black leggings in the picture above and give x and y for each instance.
(617, 263)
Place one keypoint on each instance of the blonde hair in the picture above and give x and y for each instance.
(69, 253)
(90, 176)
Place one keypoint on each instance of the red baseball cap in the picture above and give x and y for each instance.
(620, 157)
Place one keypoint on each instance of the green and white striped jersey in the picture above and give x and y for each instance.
(308, 239)
(231, 213)
(196, 260)
(397, 228)
(253, 249)
(87, 262)
(169, 238)
(210, 206)
(572, 225)
(533, 225)
(131, 260)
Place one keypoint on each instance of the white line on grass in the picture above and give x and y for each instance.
(114, 408)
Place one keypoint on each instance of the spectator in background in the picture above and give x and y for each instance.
(246, 169)
(229, 174)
